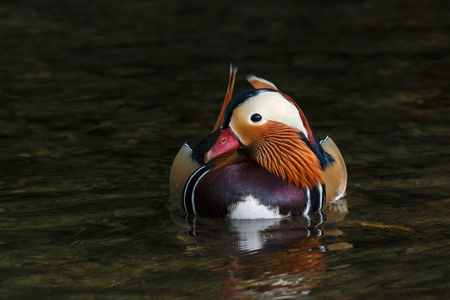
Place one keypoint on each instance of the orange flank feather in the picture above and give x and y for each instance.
(335, 175)
(228, 96)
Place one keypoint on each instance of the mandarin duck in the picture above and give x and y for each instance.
(261, 161)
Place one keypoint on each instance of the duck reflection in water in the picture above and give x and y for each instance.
(270, 183)
(264, 257)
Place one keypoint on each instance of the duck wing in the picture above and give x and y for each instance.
(335, 175)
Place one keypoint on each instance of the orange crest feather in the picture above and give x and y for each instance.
(260, 83)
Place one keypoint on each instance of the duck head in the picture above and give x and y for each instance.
(267, 126)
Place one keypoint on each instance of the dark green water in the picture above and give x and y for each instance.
(96, 97)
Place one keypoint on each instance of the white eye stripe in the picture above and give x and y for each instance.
(272, 106)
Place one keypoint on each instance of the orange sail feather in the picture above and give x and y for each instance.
(228, 96)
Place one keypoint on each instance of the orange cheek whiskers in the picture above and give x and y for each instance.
(284, 154)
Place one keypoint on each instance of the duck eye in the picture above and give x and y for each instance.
(256, 118)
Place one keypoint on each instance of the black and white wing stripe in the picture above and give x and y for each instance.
(315, 199)
(189, 189)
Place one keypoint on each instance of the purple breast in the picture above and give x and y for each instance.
(217, 190)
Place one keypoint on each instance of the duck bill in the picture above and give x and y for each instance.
(227, 141)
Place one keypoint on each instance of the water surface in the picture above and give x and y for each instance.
(97, 97)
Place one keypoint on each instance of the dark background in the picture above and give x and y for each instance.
(96, 97)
